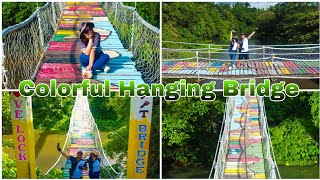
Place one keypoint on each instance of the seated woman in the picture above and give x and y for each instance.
(92, 56)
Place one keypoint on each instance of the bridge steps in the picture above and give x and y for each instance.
(82, 137)
(245, 157)
(63, 53)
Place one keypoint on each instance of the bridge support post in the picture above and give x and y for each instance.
(209, 51)
(22, 127)
(115, 12)
(132, 30)
(139, 137)
(40, 30)
(54, 13)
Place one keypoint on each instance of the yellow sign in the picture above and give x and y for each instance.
(22, 127)
(139, 137)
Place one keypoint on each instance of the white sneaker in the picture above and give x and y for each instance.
(106, 69)
(234, 66)
(230, 67)
(89, 74)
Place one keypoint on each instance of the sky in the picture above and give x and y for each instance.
(261, 5)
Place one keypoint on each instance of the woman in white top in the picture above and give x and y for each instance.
(233, 49)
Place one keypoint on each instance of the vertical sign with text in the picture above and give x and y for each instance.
(22, 128)
(139, 136)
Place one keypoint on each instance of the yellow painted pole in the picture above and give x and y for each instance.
(139, 137)
(22, 127)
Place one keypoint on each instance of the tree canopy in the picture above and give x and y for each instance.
(207, 22)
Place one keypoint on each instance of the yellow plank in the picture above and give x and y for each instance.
(260, 176)
(73, 16)
(235, 170)
(212, 70)
(253, 112)
(236, 137)
(67, 32)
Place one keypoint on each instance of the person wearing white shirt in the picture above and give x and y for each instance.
(244, 45)
(233, 49)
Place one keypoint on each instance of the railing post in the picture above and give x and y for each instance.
(197, 58)
(40, 30)
(132, 30)
(264, 51)
(272, 64)
(53, 13)
(209, 50)
(115, 12)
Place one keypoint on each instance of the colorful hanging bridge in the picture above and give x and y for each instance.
(245, 150)
(62, 55)
(45, 46)
(83, 134)
(213, 61)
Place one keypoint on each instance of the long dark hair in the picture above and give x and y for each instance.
(89, 27)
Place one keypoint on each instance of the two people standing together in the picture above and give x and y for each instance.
(242, 45)
(78, 164)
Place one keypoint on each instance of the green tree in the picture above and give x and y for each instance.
(149, 11)
(16, 12)
(185, 124)
(293, 144)
(314, 103)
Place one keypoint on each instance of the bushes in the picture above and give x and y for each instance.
(16, 12)
(292, 143)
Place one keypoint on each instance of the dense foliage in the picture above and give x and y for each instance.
(48, 113)
(9, 170)
(294, 128)
(190, 130)
(16, 12)
(284, 23)
(149, 11)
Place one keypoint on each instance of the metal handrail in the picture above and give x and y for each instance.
(224, 45)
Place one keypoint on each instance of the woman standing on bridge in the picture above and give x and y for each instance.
(92, 56)
(233, 49)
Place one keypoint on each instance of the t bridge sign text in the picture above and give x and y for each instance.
(139, 136)
(22, 127)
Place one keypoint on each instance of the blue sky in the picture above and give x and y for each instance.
(261, 5)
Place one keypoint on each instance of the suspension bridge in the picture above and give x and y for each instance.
(244, 148)
(208, 61)
(83, 134)
(45, 46)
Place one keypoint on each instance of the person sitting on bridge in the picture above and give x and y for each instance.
(92, 56)
(77, 164)
(233, 49)
(94, 165)
(244, 45)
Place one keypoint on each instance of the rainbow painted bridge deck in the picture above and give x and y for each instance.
(242, 69)
(63, 54)
(245, 157)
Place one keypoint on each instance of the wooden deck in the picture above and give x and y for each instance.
(245, 69)
(62, 56)
(245, 157)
